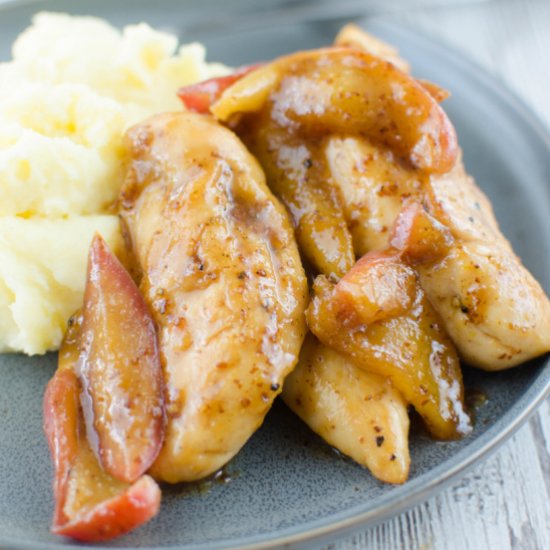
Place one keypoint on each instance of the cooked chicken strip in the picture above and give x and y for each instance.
(492, 307)
(222, 275)
(495, 312)
(359, 413)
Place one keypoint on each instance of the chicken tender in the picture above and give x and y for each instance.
(222, 275)
(496, 313)
(358, 412)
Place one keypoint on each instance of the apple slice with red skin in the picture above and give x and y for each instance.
(91, 505)
(119, 367)
(418, 236)
(116, 516)
(198, 97)
(346, 91)
(379, 317)
(61, 409)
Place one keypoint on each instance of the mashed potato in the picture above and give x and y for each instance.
(62, 116)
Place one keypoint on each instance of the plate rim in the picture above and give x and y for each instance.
(480, 448)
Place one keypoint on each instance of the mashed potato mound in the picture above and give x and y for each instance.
(75, 84)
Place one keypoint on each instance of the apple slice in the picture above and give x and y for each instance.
(372, 292)
(60, 424)
(120, 370)
(419, 237)
(91, 505)
(347, 91)
(392, 330)
(116, 516)
(198, 97)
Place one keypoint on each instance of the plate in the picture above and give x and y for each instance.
(286, 486)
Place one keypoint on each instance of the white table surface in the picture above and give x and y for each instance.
(504, 503)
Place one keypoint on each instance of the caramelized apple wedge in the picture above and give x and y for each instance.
(120, 369)
(91, 505)
(380, 318)
(358, 412)
(117, 516)
(297, 174)
(348, 91)
(419, 237)
(61, 409)
(199, 97)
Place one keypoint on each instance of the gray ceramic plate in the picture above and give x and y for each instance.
(287, 487)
